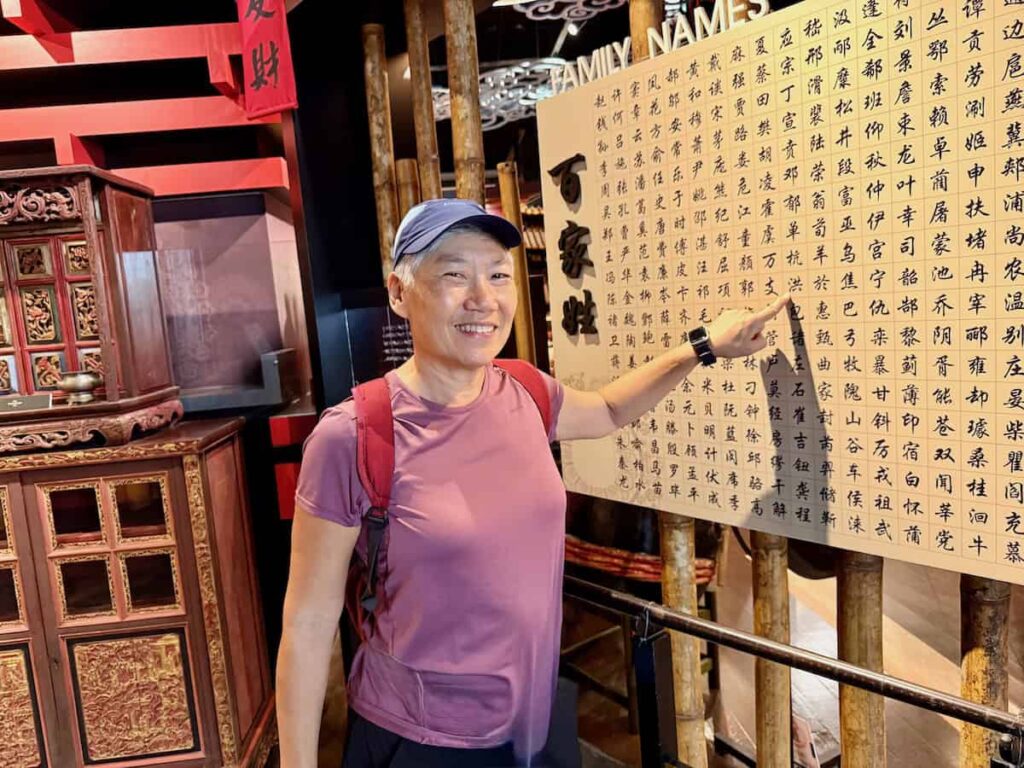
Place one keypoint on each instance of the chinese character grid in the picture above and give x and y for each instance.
(868, 157)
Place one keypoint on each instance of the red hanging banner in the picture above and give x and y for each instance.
(266, 57)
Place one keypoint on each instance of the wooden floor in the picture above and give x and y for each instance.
(921, 635)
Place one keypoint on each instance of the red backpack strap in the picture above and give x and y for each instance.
(375, 452)
(533, 382)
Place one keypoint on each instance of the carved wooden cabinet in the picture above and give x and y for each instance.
(130, 626)
(79, 291)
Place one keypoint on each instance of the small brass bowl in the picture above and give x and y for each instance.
(79, 386)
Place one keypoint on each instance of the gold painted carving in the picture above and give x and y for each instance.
(211, 611)
(40, 317)
(82, 457)
(83, 303)
(19, 747)
(23, 205)
(77, 257)
(132, 697)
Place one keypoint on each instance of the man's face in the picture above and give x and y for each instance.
(462, 302)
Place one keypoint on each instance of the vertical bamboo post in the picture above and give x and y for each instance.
(678, 548)
(464, 88)
(422, 101)
(643, 14)
(679, 591)
(407, 173)
(984, 678)
(861, 714)
(508, 184)
(382, 154)
(772, 681)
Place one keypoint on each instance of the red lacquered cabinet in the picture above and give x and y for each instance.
(79, 292)
(130, 627)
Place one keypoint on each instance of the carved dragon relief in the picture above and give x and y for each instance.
(38, 203)
(115, 430)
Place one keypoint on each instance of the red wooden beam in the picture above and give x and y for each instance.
(204, 178)
(60, 123)
(113, 46)
(51, 33)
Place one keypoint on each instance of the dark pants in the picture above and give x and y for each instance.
(370, 746)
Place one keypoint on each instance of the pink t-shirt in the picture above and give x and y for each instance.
(465, 648)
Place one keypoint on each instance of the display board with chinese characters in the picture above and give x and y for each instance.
(867, 157)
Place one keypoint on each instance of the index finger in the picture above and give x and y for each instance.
(773, 309)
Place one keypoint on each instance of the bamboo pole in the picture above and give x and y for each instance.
(643, 14)
(407, 173)
(382, 155)
(508, 184)
(984, 649)
(679, 591)
(464, 89)
(861, 714)
(772, 681)
(422, 101)
(678, 550)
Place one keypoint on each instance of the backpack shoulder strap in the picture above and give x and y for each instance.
(375, 440)
(533, 382)
(375, 458)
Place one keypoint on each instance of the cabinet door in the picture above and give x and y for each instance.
(116, 616)
(27, 707)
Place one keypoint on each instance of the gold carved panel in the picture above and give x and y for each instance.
(46, 369)
(83, 308)
(133, 696)
(33, 260)
(8, 373)
(76, 257)
(91, 360)
(39, 310)
(19, 747)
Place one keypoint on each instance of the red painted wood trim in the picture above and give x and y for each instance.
(221, 176)
(34, 17)
(113, 46)
(291, 430)
(112, 118)
(287, 477)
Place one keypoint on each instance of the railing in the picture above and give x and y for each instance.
(659, 748)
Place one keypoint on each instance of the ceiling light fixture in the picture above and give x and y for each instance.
(507, 94)
(566, 10)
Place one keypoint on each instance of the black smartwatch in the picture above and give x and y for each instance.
(702, 345)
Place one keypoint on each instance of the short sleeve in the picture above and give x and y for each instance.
(556, 392)
(328, 485)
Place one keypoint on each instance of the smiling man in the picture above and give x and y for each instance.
(461, 653)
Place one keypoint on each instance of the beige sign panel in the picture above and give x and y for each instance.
(869, 158)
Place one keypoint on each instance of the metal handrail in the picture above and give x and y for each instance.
(651, 615)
